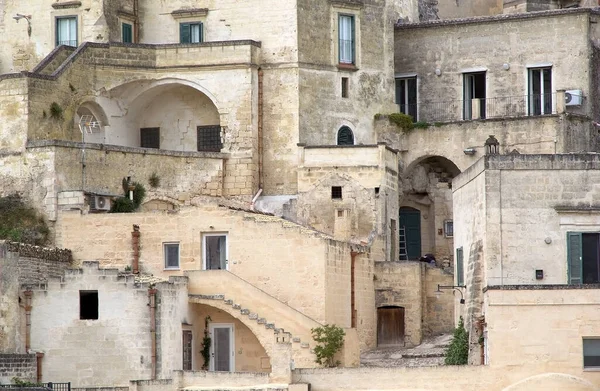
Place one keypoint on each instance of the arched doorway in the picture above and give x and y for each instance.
(390, 326)
(345, 136)
(410, 233)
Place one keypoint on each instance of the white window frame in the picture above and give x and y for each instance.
(590, 368)
(355, 12)
(446, 222)
(528, 70)
(206, 235)
(166, 266)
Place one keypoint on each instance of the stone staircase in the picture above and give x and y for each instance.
(54, 60)
(428, 354)
(258, 310)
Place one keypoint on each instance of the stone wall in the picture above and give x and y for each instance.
(22, 366)
(109, 350)
(412, 285)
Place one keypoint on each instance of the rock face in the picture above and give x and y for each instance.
(428, 10)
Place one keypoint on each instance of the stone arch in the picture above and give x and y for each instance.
(341, 124)
(93, 109)
(169, 114)
(160, 203)
(345, 136)
(552, 381)
(280, 354)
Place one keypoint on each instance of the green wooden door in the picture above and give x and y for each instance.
(410, 219)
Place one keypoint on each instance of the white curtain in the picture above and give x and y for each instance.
(67, 31)
(345, 34)
(196, 33)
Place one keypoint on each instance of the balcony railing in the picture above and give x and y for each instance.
(499, 107)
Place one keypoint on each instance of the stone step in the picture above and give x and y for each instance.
(229, 302)
(270, 325)
(253, 316)
(237, 307)
(261, 321)
(245, 311)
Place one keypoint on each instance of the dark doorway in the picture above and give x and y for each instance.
(590, 257)
(474, 88)
(410, 220)
(390, 326)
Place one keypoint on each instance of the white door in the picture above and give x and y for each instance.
(215, 252)
(222, 349)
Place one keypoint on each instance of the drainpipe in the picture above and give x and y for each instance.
(260, 128)
(136, 22)
(28, 320)
(255, 198)
(38, 357)
(152, 297)
(135, 243)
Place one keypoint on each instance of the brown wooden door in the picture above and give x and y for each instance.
(390, 326)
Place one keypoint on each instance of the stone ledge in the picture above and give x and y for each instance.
(190, 12)
(37, 252)
(495, 18)
(32, 144)
(66, 4)
(530, 287)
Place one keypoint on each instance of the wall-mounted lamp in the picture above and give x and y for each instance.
(438, 72)
(506, 66)
(455, 288)
(492, 145)
(470, 151)
(18, 17)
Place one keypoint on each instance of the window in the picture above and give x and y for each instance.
(126, 33)
(336, 192)
(406, 96)
(448, 228)
(191, 32)
(345, 136)
(66, 31)
(150, 138)
(583, 257)
(591, 352)
(187, 350)
(209, 138)
(88, 305)
(344, 87)
(171, 252)
(473, 88)
(346, 46)
(215, 252)
(540, 91)
(460, 277)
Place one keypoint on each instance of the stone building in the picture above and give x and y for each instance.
(281, 196)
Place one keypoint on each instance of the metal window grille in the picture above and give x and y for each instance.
(209, 138)
(336, 192)
(150, 138)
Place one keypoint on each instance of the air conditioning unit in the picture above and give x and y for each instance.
(573, 97)
(99, 202)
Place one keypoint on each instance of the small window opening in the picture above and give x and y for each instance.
(88, 304)
(340, 213)
(336, 192)
(377, 191)
(344, 87)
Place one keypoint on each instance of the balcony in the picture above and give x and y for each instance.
(486, 108)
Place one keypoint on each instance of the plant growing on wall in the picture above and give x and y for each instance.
(154, 180)
(24, 383)
(330, 339)
(126, 205)
(56, 111)
(403, 121)
(20, 222)
(458, 351)
(206, 341)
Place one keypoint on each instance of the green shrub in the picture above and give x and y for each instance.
(330, 339)
(421, 125)
(56, 112)
(20, 222)
(154, 180)
(24, 383)
(122, 205)
(458, 351)
(206, 342)
(402, 121)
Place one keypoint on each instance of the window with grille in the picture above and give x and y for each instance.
(150, 138)
(345, 136)
(209, 138)
(191, 32)
(66, 31)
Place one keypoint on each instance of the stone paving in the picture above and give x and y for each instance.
(429, 353)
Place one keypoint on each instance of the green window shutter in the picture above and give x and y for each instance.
(460, 273)
(201, 32)
(185, 33)
(574, 257)
(127, 31)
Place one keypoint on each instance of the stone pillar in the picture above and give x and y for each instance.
(560, 102)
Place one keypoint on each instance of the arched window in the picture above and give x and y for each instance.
(345, 136)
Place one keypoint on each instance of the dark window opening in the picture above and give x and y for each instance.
(406, 96)
(336, 192)
(344, 87)
(150, 138)
(209, 138)
(540, 91)
(583, 251)
(376, 191)
(88, 304)
(345, 136)
(473, 88)
(127, 32)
